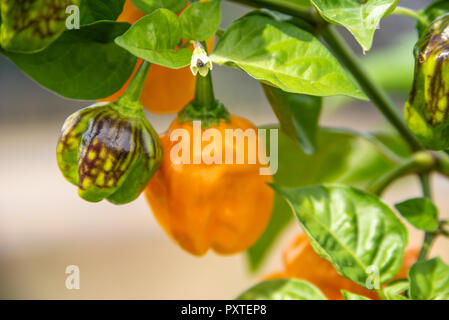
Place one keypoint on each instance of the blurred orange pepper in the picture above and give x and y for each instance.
(224, 207)
(302, 262)
(166, 90)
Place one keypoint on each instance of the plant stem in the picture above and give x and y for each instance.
(286, 7)
(442, 230)
(429, 237)
(425, 185)
(410, 13)
(130, 99)
(204, 92)
(420, 162)
(371, 89)
(135, 87)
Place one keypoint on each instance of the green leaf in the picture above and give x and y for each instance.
(149, 6)
(353, 230)
(429, 280)
(284, 56)
(201, 20)
(420, 213)
(81, 64)
(286, 289)
(340, 156)
(352, 296)
(154, 38)
(361, 18)
(96, 10)
(298, 115)
(393, 290)
(432, 12)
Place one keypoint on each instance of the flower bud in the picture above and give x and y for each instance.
(427, 108)
(30, 26)
(108, 153)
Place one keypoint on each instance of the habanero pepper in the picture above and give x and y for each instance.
(218, 206)
(31, 26)
(302, 262)
(427, 108)
(166, 90)
(109, 150)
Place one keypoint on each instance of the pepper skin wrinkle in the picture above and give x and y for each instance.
(223, 207)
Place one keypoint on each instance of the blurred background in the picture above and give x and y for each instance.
(121, 251)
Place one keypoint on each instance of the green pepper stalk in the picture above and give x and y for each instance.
(109, 150)
(204, 106)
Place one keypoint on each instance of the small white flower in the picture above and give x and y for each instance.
(200, 61)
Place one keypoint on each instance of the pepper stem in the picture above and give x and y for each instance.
(131, 97)
(204, 106)
(204, 93)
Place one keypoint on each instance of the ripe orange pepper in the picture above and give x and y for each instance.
(166, 90)
(224, 207)
(302, 262)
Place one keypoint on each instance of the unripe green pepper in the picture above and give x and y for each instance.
(109, 150)
(427, 107)
(29, 26)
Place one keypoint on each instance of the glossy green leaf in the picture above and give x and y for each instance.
(201, 20)
(340, 156)
(352, 296)
(361, 18)
(298, 115)
(394, 290)
(286, 289)
(429, 280)
(149, 6)
(97, 10)
(284, 56)
(352, 229)
(420, 213)
(432, 12)
(154, 38)
(81, 64)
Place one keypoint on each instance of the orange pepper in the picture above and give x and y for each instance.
(302, 262)
(166, 90)
(224, 207)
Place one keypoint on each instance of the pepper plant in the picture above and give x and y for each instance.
(331, 180)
